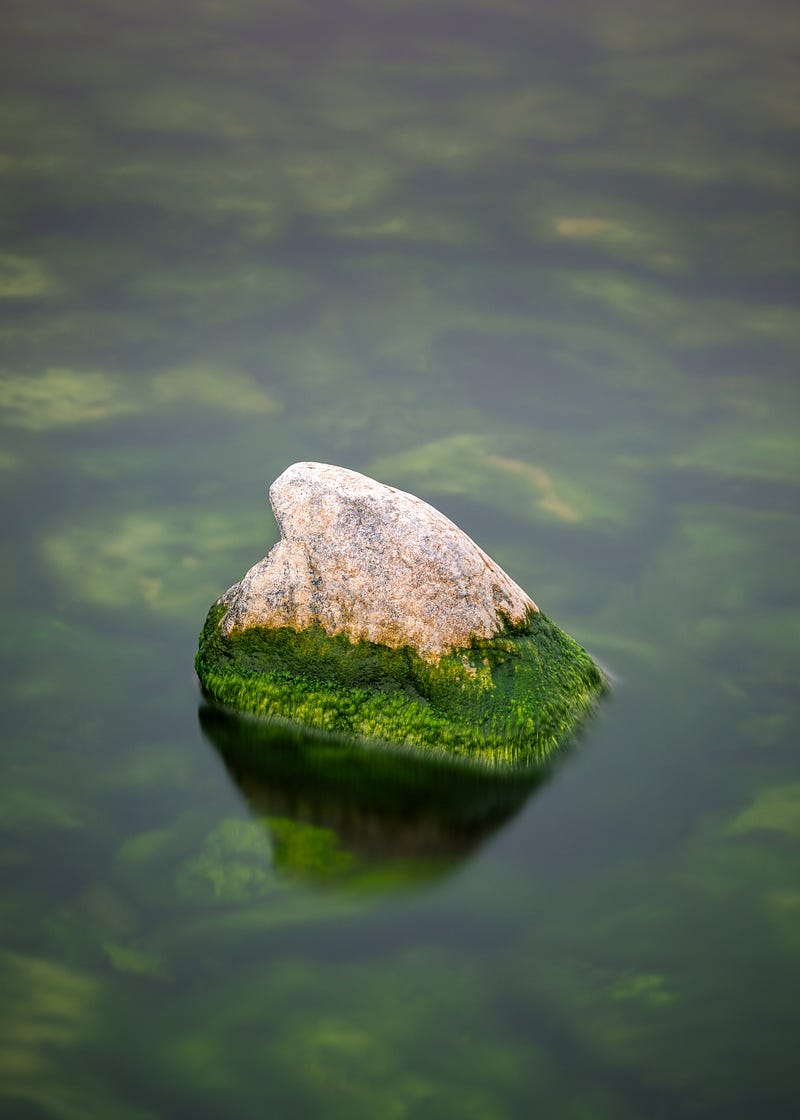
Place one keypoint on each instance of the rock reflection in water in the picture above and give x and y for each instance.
(341, 811)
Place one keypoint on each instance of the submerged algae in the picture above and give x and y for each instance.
(513, 698)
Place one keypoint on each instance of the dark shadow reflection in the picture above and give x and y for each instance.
(339, 811)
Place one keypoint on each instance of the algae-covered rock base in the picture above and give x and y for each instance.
(376, 617)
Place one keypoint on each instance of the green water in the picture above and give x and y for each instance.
(536, 263)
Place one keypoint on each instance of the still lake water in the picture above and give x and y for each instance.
(537, 263)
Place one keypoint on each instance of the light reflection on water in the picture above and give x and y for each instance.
(338, 810)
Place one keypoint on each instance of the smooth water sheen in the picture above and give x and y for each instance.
(536, 263)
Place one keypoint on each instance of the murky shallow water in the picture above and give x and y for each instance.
(535, 263)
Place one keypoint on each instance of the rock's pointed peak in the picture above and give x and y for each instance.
(363, 559)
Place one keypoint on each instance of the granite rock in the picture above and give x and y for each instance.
(369, 561)
(376, 619)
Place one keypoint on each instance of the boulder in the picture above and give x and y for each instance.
(375, 616)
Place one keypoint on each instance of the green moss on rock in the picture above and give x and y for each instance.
(511, 699)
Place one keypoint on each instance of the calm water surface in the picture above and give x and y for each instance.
(537, 263)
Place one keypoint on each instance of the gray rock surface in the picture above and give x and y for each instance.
(364, 559)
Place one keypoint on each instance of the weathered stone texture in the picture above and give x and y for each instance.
(366, 560)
